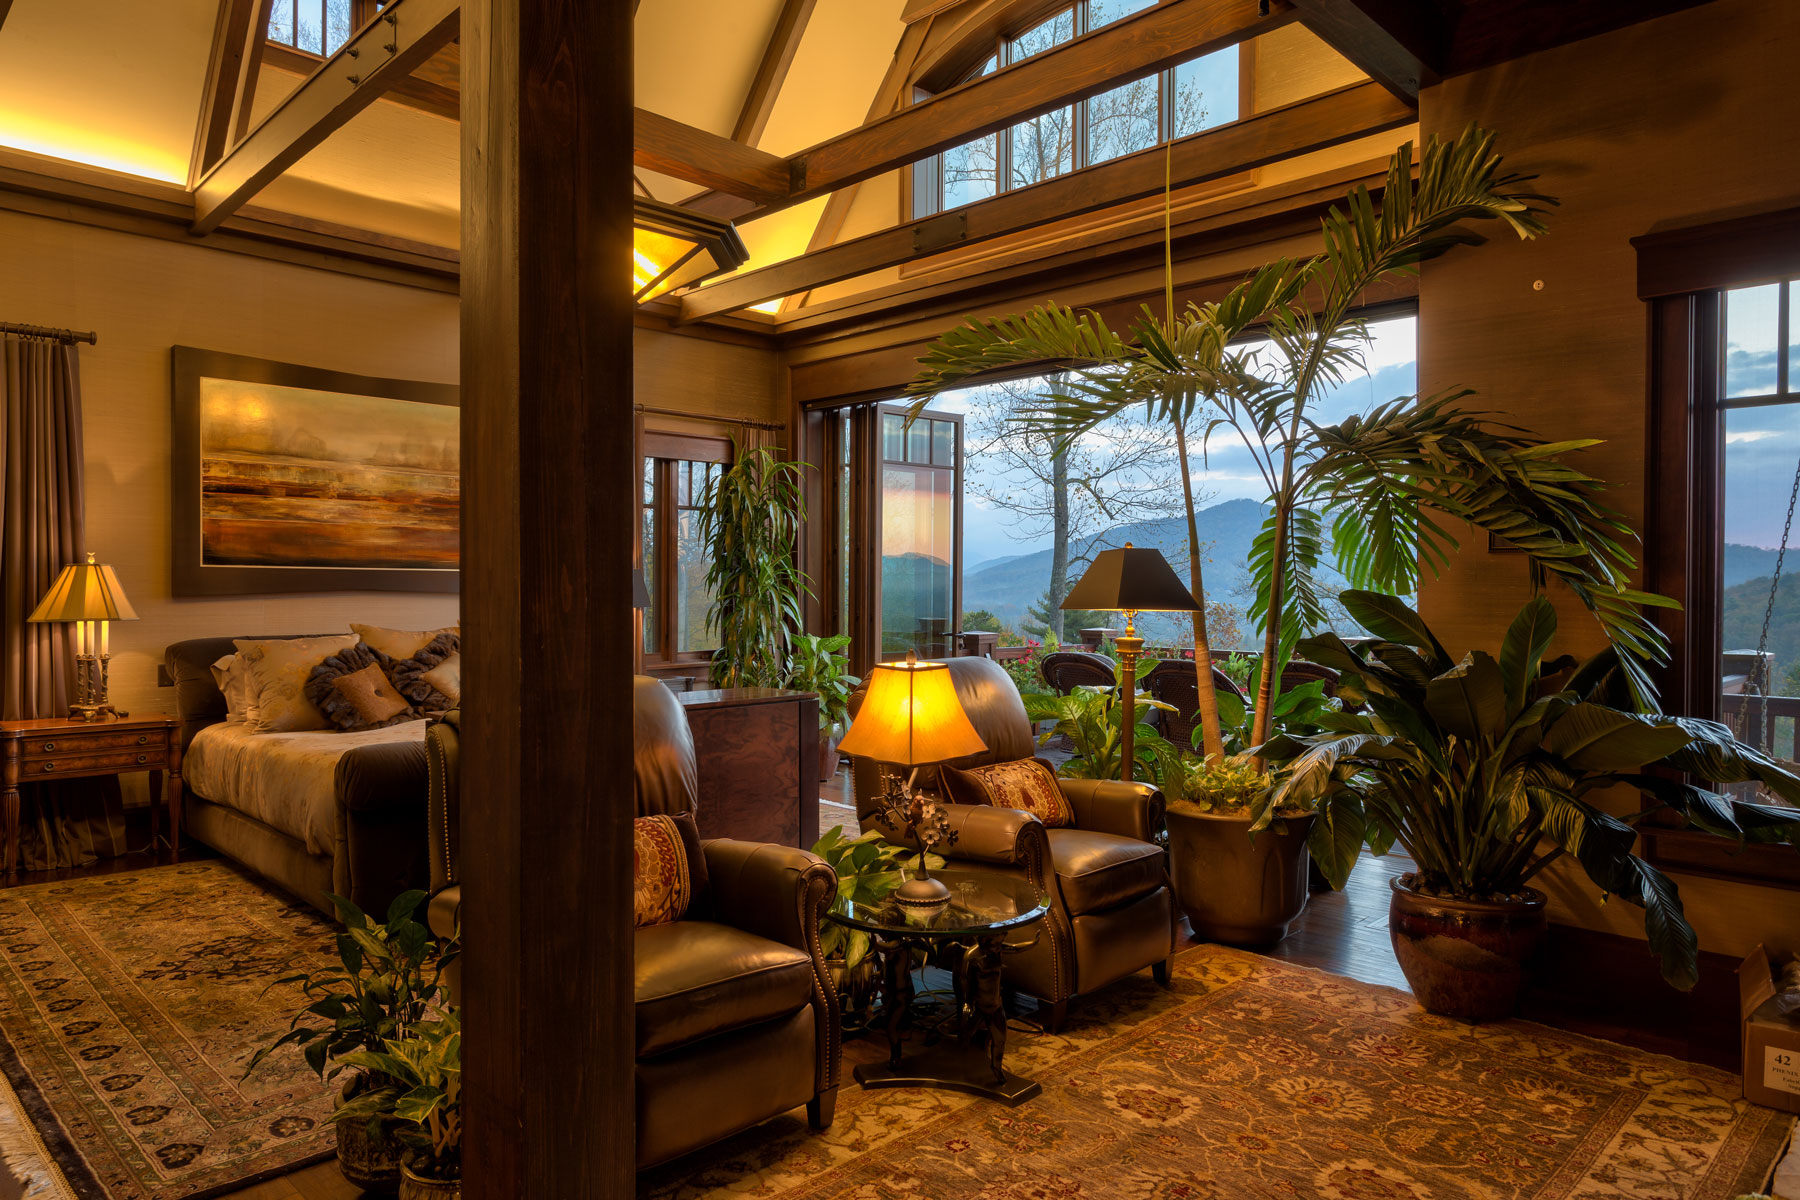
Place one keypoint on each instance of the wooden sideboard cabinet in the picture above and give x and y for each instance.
(758, 759)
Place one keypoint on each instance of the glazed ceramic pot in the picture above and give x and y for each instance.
(370, 1163)
(828, 756)
(1233, 889)
(1465, 958)
(416, 1187)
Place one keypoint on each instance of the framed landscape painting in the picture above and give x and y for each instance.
(295, 479)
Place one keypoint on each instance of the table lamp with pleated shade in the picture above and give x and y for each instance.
(88, 595)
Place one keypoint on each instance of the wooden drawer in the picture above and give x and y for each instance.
(84, 742)
(107, 762)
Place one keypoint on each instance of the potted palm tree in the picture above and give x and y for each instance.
(1487, 771)
(1391, 473)
(750, 519)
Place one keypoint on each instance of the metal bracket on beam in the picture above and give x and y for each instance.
(796, 173)
(940, 232)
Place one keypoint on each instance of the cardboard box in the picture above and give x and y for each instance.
(1771, 1041)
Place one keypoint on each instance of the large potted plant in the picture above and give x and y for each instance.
(750, 519)
(1238, 889)
(389, 976)
(819, 666)
(1489, 770)
(424, 1096)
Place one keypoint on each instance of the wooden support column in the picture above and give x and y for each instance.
(548, 520)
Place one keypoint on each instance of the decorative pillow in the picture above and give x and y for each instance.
(432, 678)
(400, 644)
(668, 871)
(352, 689)
(279, 670)
(1027, 784)
(232, 674)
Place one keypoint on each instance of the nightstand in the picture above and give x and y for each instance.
(56, 748)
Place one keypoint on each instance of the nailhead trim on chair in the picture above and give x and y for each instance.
(815, 900)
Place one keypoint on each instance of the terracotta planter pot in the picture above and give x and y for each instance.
(1233, 890)
(370, 1163)
(415, 1187)
(828, 756)
(1465, 958)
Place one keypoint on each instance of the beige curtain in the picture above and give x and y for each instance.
(42, 528)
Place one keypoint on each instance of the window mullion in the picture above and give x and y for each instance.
(1782, 327)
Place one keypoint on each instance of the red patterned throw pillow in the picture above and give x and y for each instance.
(1027, 784)
(667, 869)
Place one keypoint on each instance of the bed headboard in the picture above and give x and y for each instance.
(198, 700)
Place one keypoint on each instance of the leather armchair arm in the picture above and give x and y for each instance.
(1003, 836)
(776, 892)
(1133, 810)
(386, 777)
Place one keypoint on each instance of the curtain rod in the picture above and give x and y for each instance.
(43, 331)
(693, 416)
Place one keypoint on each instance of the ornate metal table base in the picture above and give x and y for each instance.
(975, 1063)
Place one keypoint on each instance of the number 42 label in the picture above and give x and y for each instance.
(1781, 1069)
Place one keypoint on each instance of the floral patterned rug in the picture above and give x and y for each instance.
(129, 1007)
(1253, 1078)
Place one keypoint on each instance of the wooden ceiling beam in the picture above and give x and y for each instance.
(772, 71)
(667, 146)
(1400, 44)
(216, 129)
(381, 54)
(1313, 124)
(1129, 49)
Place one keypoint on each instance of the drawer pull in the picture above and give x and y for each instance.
(49, 766)
(143, 758)
(49, 747)
(143, 739)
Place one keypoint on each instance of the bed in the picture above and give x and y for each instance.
(315, 813)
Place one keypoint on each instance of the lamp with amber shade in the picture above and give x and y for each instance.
(911, 717)
(1131, 581)
(89, 595)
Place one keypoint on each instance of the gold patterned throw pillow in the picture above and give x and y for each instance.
(667, 871)
(279, 670)
(1027, 784)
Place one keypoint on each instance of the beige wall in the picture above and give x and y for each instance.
(1676, 121)
(143, 295)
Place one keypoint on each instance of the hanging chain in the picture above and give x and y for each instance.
(1756, 685)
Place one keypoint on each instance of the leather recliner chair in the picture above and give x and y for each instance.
(737, 1020)
(1112, 911)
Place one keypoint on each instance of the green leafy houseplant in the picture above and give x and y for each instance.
(423, 1089)
(1093, 719)
(1488, 770)
(750, 519)
(1386, 472)
(819, 666)
(868, 868)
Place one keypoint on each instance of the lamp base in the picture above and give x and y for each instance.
(93, 712)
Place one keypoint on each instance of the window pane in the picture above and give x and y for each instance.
(1104, 12)
(649, 481)
(692, 596)
(1042, 148)
(652, 630)
(917, 513)
(1761, 449)
(918, 443)
(893, 437)
(943, 444)
(1041, 37)
(337, 24)
(971, 171)
(1750, 336)
(281, 22)
(1206, 92)
(1124, 120)
(1793, 348)
(309, 25)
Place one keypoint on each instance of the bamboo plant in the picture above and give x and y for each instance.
(750, 519)
(1393, 473)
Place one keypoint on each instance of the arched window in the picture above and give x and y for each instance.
(1185, 99)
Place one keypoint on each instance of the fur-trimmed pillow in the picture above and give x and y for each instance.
(352, 689)
(431, 680)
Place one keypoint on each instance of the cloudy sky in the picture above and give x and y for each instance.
(1762, 443)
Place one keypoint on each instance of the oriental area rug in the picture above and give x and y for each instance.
(1252, 1078)
(130, 1006)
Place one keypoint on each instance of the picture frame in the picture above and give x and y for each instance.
(291, 478)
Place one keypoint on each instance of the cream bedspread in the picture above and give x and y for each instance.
(285, 780)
